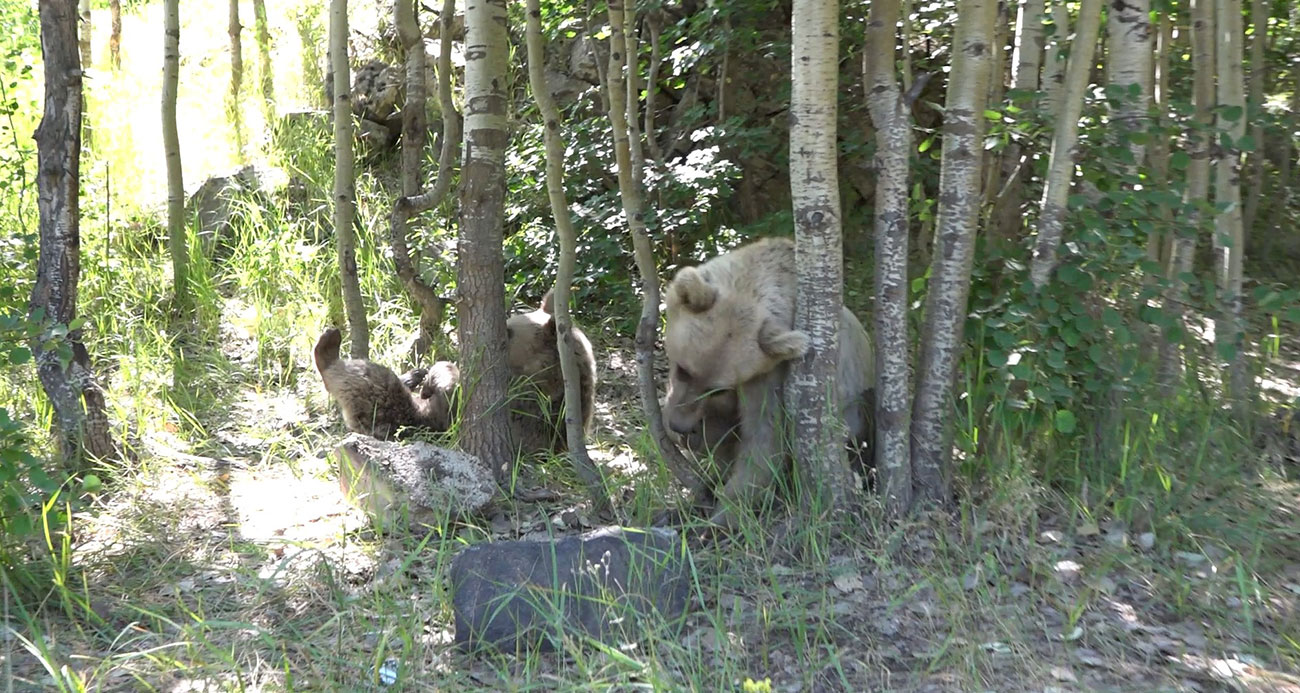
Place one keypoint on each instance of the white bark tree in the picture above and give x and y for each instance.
(1128, 30)
(263, 36)
(1026, 67)
(115, 38)
(177, 242)
(818, 438)
(1158, 152)
(892, 118)
(1229, 239)
(1060, 169)
(83, 33)
(568, 241)
(1054, 59)
(481, 317)
(1259, 11)
(954, 252)
(630, 191)
(1197, 189)
(235, 29)
(345, 182)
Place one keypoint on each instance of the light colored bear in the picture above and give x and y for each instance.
(730, 334)
(536, 383)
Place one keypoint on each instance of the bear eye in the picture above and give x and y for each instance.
(684, 374)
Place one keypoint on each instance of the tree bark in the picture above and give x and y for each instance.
(345, 182)
(429, 305)
(1198, 186)
(80, 421)
(575, 435)
(1060, 169)
(892, 118)
(1259, 12)
(236, 53)
(1054, 60)
(959, 203)
(1158, 153)
(83, 33)
(1026, 65)
(176, 239)
(1229, 239)
(1128, 28)
(810, 400)
(481, 268)
(629, 186)
(264, 69)
(115, 38)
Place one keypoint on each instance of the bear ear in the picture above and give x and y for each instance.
(782, 344)
(694, 291)
(548, 302)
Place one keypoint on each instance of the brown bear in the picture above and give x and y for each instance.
(730, 338)
(374, 399)
(536, 383)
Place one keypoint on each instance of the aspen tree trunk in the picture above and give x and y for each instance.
(177, 242)
(1026, 65)
(1128, 28)
(1197, 190)
(480, 268)
(233, 28)
(83, 33)
(1259, 11)
(892, 118)
(345, 182)
(1229, 240)
(1054, 59)
(954, 252)
(818, 437)
(1060, 169)
(1158, 154)
(629, 186)
(263, 34)
(80, 421)
(115, 38)
(575, 435)
(430, 306)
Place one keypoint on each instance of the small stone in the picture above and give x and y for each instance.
(1146, 540)
(383, 476)
(1067, 571)
(1051, 536)
(517, 595)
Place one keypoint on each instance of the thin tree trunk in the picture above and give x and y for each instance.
(430, 306)
(818, 438)
(1259, 11)
(80, 421)
(1054, 60)
(481, 309)
(892, 118)
(265, 70)
(1026, 65)
(1228, 237)
(959, 204)
(176, 239)
(1128, 27)
(1060, 168)
(568, 240)
(1158, 154)
(345, 182)
(234, 29)
(1183, 248)
(629, 186)
(115, 38)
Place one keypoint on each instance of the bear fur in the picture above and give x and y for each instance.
(536, 382)
(375, 400)
(729, 341)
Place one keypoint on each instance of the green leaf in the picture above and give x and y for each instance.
(1226, 351)
(925, 145)
(1065, 421)
(19, 355)
(992, 115)
(996, 358)
(1179, 160)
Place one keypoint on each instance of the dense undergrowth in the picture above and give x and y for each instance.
(1107, 534)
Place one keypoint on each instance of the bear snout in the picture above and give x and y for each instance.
(680, 426)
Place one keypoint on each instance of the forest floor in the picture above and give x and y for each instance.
(241, 566)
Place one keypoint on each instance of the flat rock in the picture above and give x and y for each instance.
(610, 584)
(382, 477)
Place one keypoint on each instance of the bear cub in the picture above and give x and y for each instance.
(537, 383)
(375, 400)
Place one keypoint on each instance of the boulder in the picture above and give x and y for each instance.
(217, 202)
(428, 481)
(609, 584)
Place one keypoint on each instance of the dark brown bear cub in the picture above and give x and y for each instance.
(536, 383)
(374, 400)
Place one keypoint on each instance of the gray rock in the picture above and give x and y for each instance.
(218, 201)
(608, 584)
(381, 477)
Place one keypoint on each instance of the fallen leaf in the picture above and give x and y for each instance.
(848, 582)
(1064, 675)
(1088, 529)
